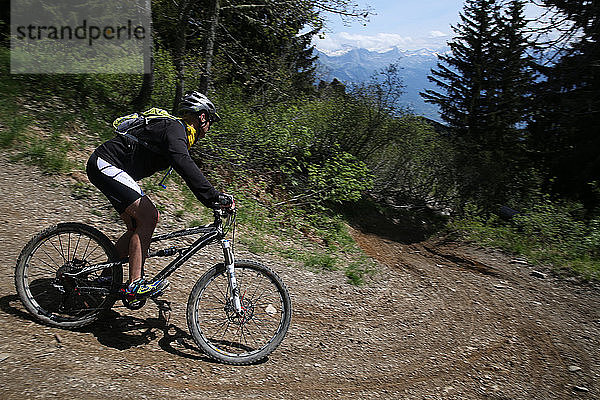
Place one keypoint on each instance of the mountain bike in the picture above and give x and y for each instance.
(238, 312)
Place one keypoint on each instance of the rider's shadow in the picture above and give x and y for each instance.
(123, 332)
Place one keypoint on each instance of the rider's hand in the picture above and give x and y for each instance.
(226, 202)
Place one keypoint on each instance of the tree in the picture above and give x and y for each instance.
(263, 49)
(172, 29)
(145, 92)
(4, 22)
(257, 42)
(362, 118)
(566, 126)
(486, 83)
(466, 77)
(515, 74)
(513, 82)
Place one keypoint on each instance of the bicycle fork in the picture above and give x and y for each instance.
(229, 266)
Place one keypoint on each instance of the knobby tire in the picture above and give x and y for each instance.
(230, 338)
(65, 302)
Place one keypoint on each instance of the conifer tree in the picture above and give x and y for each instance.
(513, 81)
(465, 77)
(515, 76)
(486, 82)
(464, 73)
(566, 129)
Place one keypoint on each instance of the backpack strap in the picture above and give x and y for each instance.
(151, 147)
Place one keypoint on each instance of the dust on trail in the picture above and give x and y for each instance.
(437, 321)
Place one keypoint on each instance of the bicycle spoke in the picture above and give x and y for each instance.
(69, 247)
(49, 257)
(34, 284)
(62, 250)
(58, 299)
(87, 246)
(77, 244)
(219, 300)
(51, 272)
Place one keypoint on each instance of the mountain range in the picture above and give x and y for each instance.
(357, 65)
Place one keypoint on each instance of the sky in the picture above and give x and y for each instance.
(407, 24)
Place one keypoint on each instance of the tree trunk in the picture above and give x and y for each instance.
(143, 96)
(179, 82)
(179, 58)
(206, 83)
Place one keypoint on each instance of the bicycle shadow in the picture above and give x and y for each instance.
(123, 332)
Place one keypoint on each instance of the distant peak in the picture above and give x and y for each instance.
(426, 52)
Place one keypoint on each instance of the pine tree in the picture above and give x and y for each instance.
(465, 76)
(568, 118)
(486, 83)
(464, 73)
(513, 82)
(515, 76)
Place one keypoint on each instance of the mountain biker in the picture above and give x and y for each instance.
(116, 165)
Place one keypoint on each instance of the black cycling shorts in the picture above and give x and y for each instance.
(120, 188)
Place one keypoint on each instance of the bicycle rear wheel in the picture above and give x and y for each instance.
(59, 300)
(227, 336)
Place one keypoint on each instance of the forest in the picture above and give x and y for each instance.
(515, 163)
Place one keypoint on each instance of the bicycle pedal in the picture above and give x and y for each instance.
(133, 304)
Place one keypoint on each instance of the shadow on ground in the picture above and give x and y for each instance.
(400, 225)
(123, 332)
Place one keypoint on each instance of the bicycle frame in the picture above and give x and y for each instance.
(211, 234)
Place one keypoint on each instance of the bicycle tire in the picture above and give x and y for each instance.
(55, 299)
(210, 314)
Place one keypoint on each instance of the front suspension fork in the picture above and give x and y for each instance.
(229, 266)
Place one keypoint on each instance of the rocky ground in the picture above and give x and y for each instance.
(439, 320)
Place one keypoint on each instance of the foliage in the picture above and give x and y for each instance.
(356, 271)
(50, 154)
(291, 152)
(568, 116)
(320, 262)
(486, 83)
(281, 142)
(416, 168)
(552, 233)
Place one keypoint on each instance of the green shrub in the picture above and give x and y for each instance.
(551, 233)
(320, 262)
(357, 271)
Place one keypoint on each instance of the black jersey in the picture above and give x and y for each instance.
(170, 139)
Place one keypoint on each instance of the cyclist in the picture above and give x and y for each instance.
(117, 164)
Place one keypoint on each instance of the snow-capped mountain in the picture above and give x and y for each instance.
(354, 65)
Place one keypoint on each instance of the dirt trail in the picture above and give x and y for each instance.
(438, 321)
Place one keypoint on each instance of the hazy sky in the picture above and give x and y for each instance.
(408, 24)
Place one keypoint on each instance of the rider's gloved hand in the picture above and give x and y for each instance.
(226, 201)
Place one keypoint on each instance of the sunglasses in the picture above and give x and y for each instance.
(212, 118)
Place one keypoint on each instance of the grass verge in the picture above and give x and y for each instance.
(550, 235)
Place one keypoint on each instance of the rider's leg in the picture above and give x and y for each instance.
(145, 215)
(122, 244)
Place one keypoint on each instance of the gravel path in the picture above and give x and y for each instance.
(438, 321)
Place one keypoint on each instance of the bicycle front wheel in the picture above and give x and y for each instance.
(58, 299)
(245, 338)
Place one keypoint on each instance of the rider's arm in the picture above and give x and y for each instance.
(182, 163)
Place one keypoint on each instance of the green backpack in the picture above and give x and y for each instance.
(128, 123)
(123, 125)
